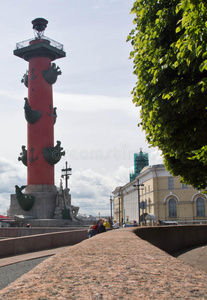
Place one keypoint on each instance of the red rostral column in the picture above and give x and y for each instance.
(41, 133)
(39, 111)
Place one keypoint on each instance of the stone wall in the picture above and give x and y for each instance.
(173, 238)
(7, 232)
(109, 266)
(25, 244)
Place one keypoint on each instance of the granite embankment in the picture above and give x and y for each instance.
(113, 265)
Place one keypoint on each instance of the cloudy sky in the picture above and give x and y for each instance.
(97, 121)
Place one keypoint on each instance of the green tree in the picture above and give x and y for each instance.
(170, 61)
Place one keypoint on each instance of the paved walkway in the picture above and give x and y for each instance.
(113, 265)
(13, 267)
(28, 256)
(10, 273)
(196, 257)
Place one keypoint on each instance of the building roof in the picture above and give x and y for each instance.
(144, 176)
(5, 218)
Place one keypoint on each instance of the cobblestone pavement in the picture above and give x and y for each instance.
(112, 265)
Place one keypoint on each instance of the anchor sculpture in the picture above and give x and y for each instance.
(32, 158)
(53, 113)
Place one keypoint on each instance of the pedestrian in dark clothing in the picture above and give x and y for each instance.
(101, 228)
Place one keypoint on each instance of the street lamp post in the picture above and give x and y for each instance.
(111, 201)
(119, 196)
(138, 189)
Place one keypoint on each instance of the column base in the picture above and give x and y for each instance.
(44, 203)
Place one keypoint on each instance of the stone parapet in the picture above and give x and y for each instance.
(174, 238)
(113, 265)
(25, 244)
(8, 232)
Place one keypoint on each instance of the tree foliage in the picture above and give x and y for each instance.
(170, 61)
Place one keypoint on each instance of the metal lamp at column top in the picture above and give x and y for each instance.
(39, 25)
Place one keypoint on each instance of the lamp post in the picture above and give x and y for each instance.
(111, 201)
(138, 189)
(68, 171)
(119, 197)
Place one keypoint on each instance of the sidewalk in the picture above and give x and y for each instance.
(196, 257)
(27, 256)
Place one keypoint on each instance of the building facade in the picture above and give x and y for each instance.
(155, 192)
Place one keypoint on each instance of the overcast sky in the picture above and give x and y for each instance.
(97, 121)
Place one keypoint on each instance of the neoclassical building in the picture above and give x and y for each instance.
(156, 192)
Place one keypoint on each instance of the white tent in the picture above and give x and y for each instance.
(150, 217)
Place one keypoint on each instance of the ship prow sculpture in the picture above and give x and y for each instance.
(40, 199)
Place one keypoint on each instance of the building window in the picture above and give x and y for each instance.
(200, 207)
(184, 186)
(170, 183)
(172, 208)
(149, 205)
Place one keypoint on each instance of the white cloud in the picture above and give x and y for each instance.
(93, 103)
(155, 156)
(11, 174)
(11, 95)
(91, 190)
(4, 203)
(100, 4)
